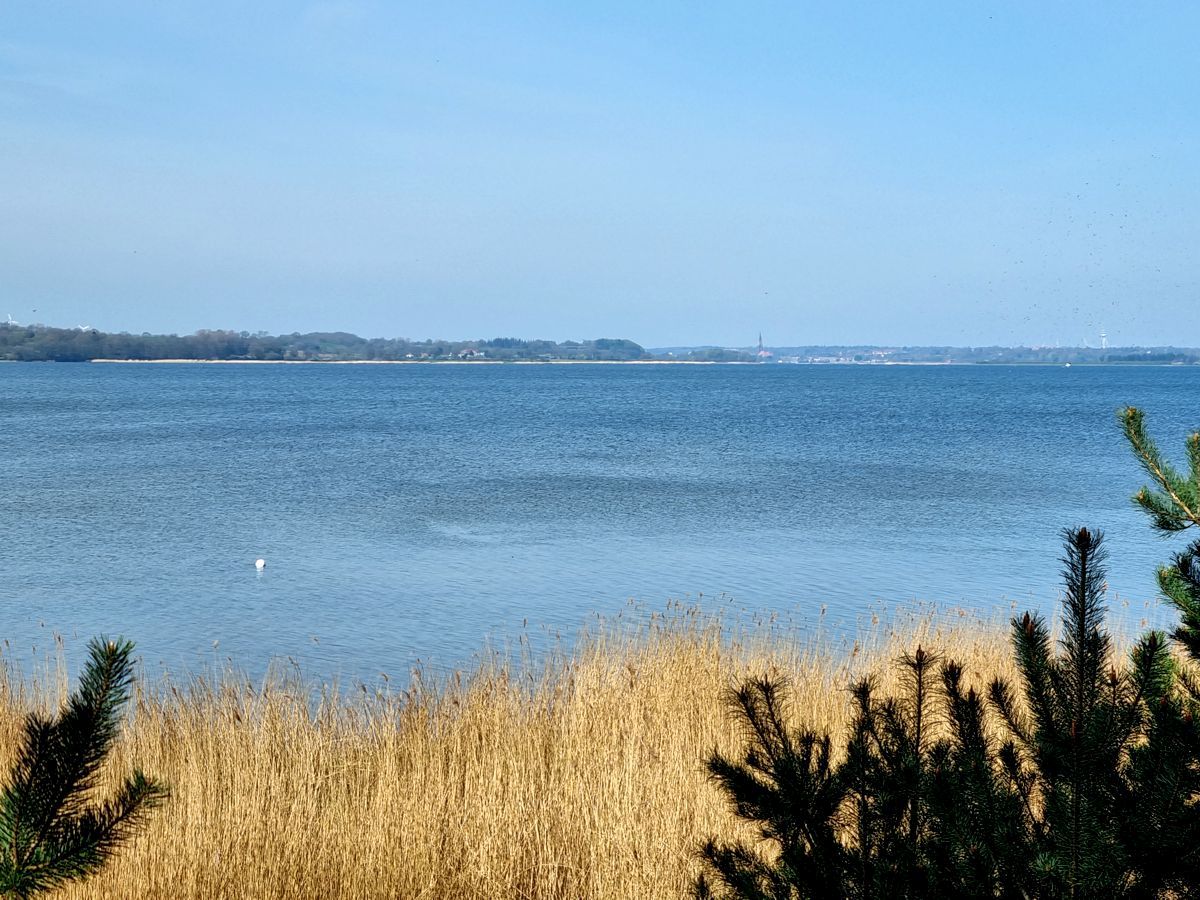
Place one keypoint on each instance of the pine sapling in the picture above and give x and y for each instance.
(1084, 784)
(1103, 760)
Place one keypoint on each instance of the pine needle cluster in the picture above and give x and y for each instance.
(1089, 791)
(1173, 505)
(52, 831)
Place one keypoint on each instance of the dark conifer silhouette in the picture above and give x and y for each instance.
(1108, 756)
(1092, 793)
(51, 829)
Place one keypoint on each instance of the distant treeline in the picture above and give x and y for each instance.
(42, 343)
(35, 343)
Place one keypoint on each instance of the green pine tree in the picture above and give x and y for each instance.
(1105, 757)
(1092, 794)
(51, 829)
(1173, 504)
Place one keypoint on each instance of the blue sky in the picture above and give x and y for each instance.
(676, 173)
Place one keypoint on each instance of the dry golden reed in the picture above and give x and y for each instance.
(581, 777)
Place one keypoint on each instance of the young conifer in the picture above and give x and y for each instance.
(901, 816)
(51, 830)
(1092, 793)
(1102, 755)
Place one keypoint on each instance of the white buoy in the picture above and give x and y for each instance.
(260, 564)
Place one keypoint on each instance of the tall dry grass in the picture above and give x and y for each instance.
(578, 778)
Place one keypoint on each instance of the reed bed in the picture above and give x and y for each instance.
(578, 776)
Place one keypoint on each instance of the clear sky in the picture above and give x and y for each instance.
(676, 173)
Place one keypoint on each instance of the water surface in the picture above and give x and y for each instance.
(413, 512)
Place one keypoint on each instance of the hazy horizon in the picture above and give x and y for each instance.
(1012, 174)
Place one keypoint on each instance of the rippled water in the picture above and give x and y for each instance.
(414, 511)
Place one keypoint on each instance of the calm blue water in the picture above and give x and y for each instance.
(415, 511)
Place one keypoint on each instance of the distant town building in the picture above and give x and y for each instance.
(763, 353)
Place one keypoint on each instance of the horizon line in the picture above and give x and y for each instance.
(10, 323)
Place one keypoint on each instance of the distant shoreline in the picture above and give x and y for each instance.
(38, 343)
(622, 362)
(433, 362)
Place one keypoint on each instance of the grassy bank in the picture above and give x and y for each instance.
(581, 778)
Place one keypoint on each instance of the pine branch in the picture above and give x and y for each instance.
(1176, 505)
(84, 733)
(1031, 645)
(49, 834)
(1004, 700)
(786, 785)
(1180, 584)
(1085, 646)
